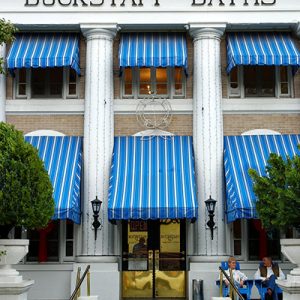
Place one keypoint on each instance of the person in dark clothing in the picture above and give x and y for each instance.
(140, 249)
(268, 272)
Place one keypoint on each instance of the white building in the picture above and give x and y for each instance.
(225, 71)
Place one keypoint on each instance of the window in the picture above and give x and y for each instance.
(260, 81)
(37, 83)
(160, 82)
(251, 242)
(55, 243)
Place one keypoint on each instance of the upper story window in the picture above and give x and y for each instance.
(261, 64)
(153, 63)
(46, 83)
(260, 81)
(45, 65)
(158, 82)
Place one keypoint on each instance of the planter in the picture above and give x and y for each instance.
(11, 253)
(291, 250)
(291, 286)
(12, 285)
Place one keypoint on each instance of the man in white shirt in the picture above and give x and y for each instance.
(268, 272)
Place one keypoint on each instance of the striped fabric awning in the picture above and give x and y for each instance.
(44, 50)
(250, 151)
(263, 49)
(153, 50)
(62, 156)
(152, 178)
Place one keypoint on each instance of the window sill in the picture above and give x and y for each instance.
(54, 266)
(45, 106)
(261, 105)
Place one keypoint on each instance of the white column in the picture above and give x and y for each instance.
(2, 86)
(98, 135)
(208, 136)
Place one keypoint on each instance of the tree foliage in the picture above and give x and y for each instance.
(7, 31)
(25, 188)
(278, 193)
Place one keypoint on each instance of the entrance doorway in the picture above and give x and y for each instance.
(154, 259)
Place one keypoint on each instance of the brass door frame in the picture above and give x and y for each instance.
(161, 273)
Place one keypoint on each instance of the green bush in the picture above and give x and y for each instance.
(25, 188)
(278, 193)
(7, 31)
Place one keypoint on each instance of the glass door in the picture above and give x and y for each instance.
(153, 259)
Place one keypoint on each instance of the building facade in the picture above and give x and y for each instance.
(170, 102)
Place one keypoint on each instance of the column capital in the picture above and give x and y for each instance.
(207, 31)
(99, 31)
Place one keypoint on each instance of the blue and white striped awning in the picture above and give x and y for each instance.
(263, 49)
(44, 50)
(62, 157)
(250, 151)
(152, 178)
(153, 50)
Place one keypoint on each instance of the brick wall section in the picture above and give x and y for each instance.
(283, 123)
(82, 51)
(180, 125)
(128, 125)
(67, 124)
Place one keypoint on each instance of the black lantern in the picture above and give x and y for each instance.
(96, 205)
(210, 206)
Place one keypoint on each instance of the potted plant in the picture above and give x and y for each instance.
(278, 201)
(25, 193)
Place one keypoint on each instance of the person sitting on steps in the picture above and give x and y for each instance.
(268, 272)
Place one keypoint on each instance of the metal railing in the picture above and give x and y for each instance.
(79, 282)
(231, 282)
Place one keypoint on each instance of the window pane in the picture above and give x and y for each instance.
(283, 74)
(237, 229)
(250, 81)
(72, 82)
(69, 248)
(46, 82)
(178, 79)
(267, 80)
(284, 81)
(161, 81)
(69, 229)
(38, 82)
(262, 243)
(56, 80)
(234, 78)
(145, 81)
(237, 247)
(128, 81)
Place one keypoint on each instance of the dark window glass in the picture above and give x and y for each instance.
(259, 81)
(262, 243)
(46, 83)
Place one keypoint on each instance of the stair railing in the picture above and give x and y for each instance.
(78, 284)
(231, 282)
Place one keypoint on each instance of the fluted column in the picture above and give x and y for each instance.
(208, 136)
(98, 135)
(2, 86)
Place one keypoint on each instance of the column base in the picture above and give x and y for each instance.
(15, 291)
(290, 287)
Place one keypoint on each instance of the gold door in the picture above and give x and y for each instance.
(153, 259)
